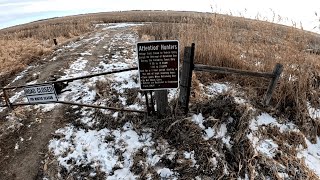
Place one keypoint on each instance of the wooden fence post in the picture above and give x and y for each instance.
(6, 99)
(55, 42)
(186, 78)
(276, 75)
(152, 103)
(147, 103)
(162, 102)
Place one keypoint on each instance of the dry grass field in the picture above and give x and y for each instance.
(220, 40)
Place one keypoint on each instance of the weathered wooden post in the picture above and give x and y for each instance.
(6, 99)
(186, 78)
(147, 103)
(55, 42)
(162, 102)
(276, 75)
(152, 103)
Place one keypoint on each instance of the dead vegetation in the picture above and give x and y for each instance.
(220, 41)
(257, 46)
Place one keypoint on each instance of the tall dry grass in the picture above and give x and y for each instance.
(257, 46)
(23, 44)
(220, 40)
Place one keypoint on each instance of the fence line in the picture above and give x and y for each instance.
(73, 79)
(84, 105)
(225, 70)
(10, 105)
(189, 66)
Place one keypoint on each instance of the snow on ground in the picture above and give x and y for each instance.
(100, 149)
(268, 147)
(217, 88)
(313, 112)
(20, 75)
(106, 150)
(112, 150)
(118, 25)
(82, 91)
(262, 145)
(311, 156)
(219, 132)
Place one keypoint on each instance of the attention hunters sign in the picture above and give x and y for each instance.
(158, 64)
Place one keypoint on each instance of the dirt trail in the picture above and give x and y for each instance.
(26, 131)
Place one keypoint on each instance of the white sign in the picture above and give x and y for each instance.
(41, 93)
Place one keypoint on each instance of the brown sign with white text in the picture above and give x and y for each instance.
(158, 64)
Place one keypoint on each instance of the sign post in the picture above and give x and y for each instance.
(159, 69)
(41, 93)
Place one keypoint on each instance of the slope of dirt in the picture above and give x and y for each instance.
(26, 131)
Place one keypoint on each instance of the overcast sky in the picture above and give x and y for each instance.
(13, 12)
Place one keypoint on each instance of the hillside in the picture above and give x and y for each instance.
(228, 133)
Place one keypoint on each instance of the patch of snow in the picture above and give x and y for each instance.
(221, 132)
(16, 147)
(283, 175)
(209, 133)
(53, 59)
(314, 113)
(190, 155)
(152, 158)
(45, 107)
(166, 173)
(217, 88)
(32, 82)
(258, 63)
(239, 100)
(120, 25)
(162, 150)
(122, 174)
(263, 119)
(311, 156)
(103, 67)
(254, 140)
(79, 64)
(85, 54)
(267, 147)
(72, 45)
(115, 115)
(80, 93)
(124, 80)
(173, 94)
(21, 75)
(198, 119)
(90, 147)
(136, 107)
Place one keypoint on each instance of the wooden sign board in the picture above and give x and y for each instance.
(41, 93)
(158, 63)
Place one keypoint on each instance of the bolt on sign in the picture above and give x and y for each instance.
(41, 93)
(158, 63)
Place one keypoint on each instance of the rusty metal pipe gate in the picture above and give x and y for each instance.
(10, 105)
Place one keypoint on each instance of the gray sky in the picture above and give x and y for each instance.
(295, 12)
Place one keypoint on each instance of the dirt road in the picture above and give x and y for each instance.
(26, 131)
